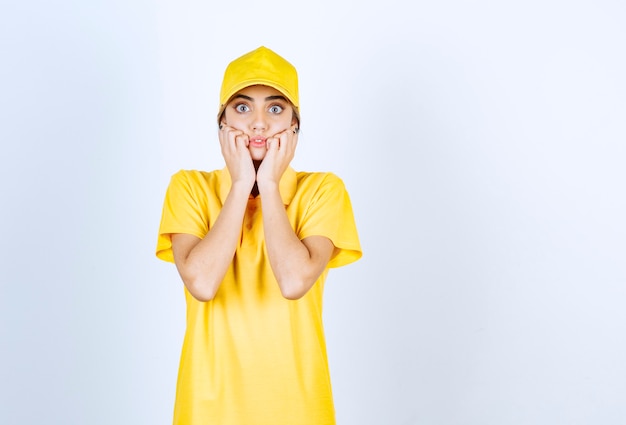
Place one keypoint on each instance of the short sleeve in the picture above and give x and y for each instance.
(182, 213)
(330, 214)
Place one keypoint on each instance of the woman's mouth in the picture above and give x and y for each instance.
(257, 141)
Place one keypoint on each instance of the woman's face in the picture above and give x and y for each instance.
(260, 112)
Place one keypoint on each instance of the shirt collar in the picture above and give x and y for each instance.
(287, 185)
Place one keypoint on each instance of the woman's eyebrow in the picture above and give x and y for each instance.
(267, 99)
(244, 97)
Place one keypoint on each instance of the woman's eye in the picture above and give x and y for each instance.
(276, 109)
(242, 107)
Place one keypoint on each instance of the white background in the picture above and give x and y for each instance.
(483, 144)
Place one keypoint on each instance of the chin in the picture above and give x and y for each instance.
(257, 156)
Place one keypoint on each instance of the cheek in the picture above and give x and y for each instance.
(227, 116)
(234, 120)
(284, 120)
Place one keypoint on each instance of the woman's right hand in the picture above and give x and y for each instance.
(235, 151)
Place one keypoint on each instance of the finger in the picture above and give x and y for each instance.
(289, 138)
(228, 138)
(223, 127)
(241, 141)
(273, 143)
(224, 136)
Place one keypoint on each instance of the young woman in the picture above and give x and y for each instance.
(253, 243)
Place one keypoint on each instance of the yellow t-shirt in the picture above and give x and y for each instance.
(250, 356)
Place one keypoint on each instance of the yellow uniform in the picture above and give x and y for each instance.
(250, 356)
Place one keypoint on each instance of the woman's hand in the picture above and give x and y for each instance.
(281, 149)
(235, 151)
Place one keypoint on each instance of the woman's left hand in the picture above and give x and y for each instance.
(281, 149)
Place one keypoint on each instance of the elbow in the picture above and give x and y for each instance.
(294, 286)
(292, 295)
(201, 289)
(293, 290)
(201, 296)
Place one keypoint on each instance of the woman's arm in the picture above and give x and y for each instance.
(296, 263)
(202, 263)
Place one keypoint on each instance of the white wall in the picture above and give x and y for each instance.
(483, 144)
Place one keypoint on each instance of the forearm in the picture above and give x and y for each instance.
(295, 267)
(204, 266)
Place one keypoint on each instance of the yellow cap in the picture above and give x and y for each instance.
(260, 66)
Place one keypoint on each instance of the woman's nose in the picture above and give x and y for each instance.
(259, 121)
